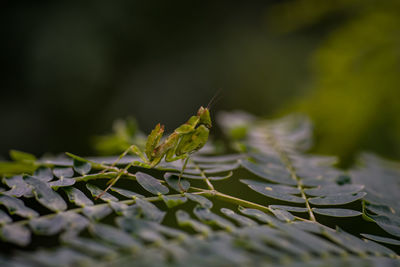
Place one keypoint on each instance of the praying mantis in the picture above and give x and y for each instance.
(185, 140)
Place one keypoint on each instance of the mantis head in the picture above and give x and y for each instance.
(205, 118)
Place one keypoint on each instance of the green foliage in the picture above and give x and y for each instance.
(354, 98)
(268, 204)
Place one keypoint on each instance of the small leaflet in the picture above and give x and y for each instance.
(209, 217)
(173, 181)
(48, 225)
(280, 192)
(257, 214)
(114, 235)
(289, 208)
(126, 193)
(332, 189)
(150, 211)
(241, 220)
(283, 215)
(17, 206)
(4, 218)
(203, 201)
(184, 219)
(217, 159)
(89, 246)
(272, 174)
(337, 212)
(199, 177)
(63, 172)
(18, 187)
(75, 223)
(45, 195)
(82, 167)
(77, 197)
(339, 199)
(382, 239)
(95, 191)
(173, 201)
(16, 234)
(62, 182)
(97, 212)
(151, 184)
(44, 174)
(118, 207)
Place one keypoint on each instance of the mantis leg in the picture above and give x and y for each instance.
(132, 148)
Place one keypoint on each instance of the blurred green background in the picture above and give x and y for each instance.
(71, 68)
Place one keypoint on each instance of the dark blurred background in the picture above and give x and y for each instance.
(71, 68)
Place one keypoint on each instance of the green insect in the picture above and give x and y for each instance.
(185, 140)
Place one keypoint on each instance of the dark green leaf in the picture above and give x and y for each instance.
(114, 235)
(82, 167)
(45, 195)
(173, 181)
(4, 218)
(172, 201)
(337, 212)
(97, 212)
(278, 175)
(151, 184)
(16, 234)
(125, 193)
(203, 201)
(95, 191)
(280, 192)
(339, 199)
(382, 239)
(63, 172)
(47, 225)
(44, 174)
(17, 206)
(184, 219)
(77, 197)
(241, 220)
(208, 217)
(288, 208)
(18, 187)
(328, 190)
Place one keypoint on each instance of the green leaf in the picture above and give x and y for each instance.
(21, 156)
(382, 239)
(172, 201)
(150, 211)
(151, 184)
(4, 218)
(97, 212)
(172, 181)
(17, 206)
(45, 195)
(205, 215)
(77, 197)
(47, 226)
(126, 193)
(95, 191)
(63, 182)
(281, 192)
(332, 189)
(114, 236)
(337, 212)
(288, 208)
(257, 214)
(241, 220)
(339, 199)
(44, 174)
(276, 174)
(63, 172)
(203, 201)
(82, 167)
(16, 234)
(18, 187)
(283, 215)
(183, 219)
